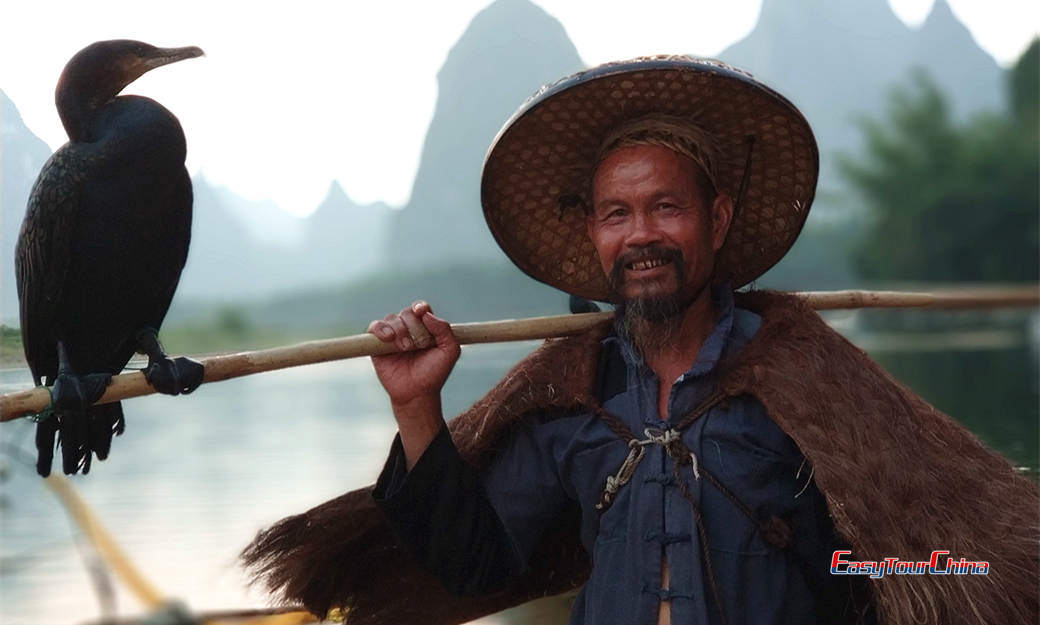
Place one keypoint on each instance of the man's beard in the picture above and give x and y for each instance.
(651, 322)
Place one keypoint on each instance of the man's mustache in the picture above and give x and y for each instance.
(650, 252)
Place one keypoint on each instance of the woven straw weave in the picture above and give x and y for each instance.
(542, 162)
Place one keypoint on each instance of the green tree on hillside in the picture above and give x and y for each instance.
(952, 202)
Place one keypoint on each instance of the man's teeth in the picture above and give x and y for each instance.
(646, 264)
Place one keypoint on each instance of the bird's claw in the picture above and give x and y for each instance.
(174, 376)
(78, 391)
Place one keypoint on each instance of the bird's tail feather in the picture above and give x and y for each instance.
(80, 433)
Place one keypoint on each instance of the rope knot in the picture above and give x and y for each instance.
(677, 450)
(636, 451)
(670, 440)
(660, 437)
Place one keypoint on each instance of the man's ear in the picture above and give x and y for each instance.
(721, 217)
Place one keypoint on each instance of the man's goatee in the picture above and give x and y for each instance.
(650, 323)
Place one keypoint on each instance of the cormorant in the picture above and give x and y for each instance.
(102, 246)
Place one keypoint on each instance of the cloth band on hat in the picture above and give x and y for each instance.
(675, 133)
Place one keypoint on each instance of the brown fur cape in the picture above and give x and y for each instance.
(900, 478)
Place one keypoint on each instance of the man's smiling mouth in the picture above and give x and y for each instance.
(645, 265)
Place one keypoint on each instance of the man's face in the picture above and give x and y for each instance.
(655, 238)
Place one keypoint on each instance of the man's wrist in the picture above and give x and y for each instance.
(419, 420)
(420, 409)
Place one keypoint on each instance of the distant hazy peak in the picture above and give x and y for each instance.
(22, 155)
(336, 193)
(507, 51)
(512, 8)
(200, 180)
(801, 14)
(501, 24)
(10, 119)
(956, 59)
(7, 108)
(18, 137)
(941, 13)
(942, 22)
(338, 201)
(495, 13)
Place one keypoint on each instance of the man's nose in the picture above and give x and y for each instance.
(643, 231)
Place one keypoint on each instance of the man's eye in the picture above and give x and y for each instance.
(614, 214)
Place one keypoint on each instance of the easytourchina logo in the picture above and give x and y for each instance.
(938, 564)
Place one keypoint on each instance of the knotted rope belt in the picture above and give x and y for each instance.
(774, 530)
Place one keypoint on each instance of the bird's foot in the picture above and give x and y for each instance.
(171, 376)
(78, 391)
(174, 376)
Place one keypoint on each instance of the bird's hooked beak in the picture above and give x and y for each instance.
(164, 56)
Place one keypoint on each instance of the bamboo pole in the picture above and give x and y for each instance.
(948, 299)
(109, 549)
(225, 367)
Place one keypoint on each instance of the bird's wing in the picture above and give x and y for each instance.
(44, 251)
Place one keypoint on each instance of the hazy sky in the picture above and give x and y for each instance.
(292, 95)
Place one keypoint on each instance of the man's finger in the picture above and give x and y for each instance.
(401, 337)
(381, 330)
(417, 332)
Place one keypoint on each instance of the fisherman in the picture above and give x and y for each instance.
(711, 451)
(657, 216)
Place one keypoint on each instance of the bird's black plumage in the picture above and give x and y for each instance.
(103, 243)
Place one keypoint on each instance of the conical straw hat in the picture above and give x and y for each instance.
(538, 170)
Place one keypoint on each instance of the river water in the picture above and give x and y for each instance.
(193, 478)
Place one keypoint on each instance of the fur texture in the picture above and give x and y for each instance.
(900, 478)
